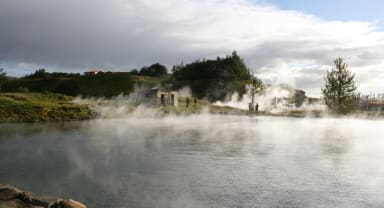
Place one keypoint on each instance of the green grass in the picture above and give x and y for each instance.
(37, 107)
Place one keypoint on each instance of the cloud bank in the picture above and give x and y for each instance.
(281, 46)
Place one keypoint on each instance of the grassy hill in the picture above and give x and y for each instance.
(208, 79)
(35, 107)
(103, 85)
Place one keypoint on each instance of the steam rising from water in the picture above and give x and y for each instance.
(127, 105)
(274, 100)
(199, 161)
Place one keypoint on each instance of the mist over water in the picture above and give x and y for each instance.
(199, 161)
(267, 100)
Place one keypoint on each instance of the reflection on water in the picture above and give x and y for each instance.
(199, 161)
(335, 144)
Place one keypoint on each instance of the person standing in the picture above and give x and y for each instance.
(187, 103)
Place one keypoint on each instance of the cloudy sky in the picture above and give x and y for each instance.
(292, 42)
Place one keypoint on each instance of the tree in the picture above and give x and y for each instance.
(155, 70)
(135, 72)
(213, 79)
(38, 74)
(2, 73)
(2, 77)
(257, 84)
(339, 90)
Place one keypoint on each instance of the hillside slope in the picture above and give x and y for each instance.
(35, 107)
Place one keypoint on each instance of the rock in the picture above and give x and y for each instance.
(8, 193)
(11, 197)
(12, 204)
(25, 197)
(69, 203)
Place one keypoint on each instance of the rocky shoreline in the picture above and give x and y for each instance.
(11, 197)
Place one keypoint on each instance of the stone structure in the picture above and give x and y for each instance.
(158, 97)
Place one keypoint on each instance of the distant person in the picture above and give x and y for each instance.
(195, 102)
(187, 102)
(162, 99)
(257, 107)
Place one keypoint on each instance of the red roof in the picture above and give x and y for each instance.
(377, 103)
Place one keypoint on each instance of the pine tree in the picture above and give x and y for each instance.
(339, 90)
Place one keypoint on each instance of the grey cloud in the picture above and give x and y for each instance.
(90, 33)
(310, 78)
(123, 34)
(99, 33)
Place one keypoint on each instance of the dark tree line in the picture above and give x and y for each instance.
(155, 70)
(228, 68)
(213, 79)
(43, 74)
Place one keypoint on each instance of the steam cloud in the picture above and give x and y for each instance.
(273, 99)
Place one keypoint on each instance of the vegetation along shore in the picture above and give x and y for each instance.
(38, 107)
(48, 96)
